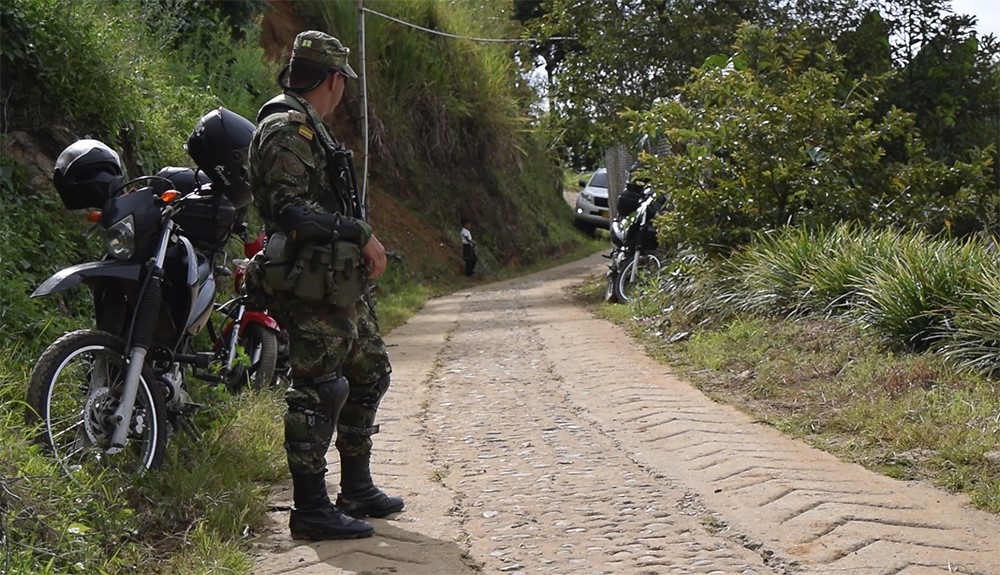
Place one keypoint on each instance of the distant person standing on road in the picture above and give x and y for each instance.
(468, 248)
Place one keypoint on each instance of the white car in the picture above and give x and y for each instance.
(592, 209)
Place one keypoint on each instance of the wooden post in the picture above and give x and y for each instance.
(363, 76)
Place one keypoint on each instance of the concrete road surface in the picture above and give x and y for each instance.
(527, 436)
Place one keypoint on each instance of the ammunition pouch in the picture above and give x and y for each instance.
(268, 270)
(333, 273)
(254, 281)
(279, 256)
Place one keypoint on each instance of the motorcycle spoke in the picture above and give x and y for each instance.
(75, 388)
(72, 454)
(75, 427)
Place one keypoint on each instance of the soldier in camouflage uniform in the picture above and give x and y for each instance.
(303, 188)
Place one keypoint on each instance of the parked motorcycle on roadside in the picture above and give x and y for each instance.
(109, 397)
(633, 239)
(257, 333)
(247, 327)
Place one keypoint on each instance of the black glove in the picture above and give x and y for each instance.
(302, 224)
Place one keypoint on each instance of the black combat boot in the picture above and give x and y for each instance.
(315, 518)
(358, 495)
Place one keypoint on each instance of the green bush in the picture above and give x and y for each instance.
(776, 135)
(32, 224)
(73, 57)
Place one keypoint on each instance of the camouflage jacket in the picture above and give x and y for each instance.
(288, 163)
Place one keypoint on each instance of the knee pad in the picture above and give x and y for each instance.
(333, 394)
(313, 408)
(382, 385)
(372, 400)
(360, 413)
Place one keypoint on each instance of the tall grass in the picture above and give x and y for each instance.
(193, 516)
(909, 290)
(971, 338)
(912, 296)
(51, 526)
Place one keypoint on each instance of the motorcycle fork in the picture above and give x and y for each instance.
(638, 250)
(140, 338)
(234, 336)
(634, 273)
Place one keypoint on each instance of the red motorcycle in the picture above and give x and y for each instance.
(263, 343)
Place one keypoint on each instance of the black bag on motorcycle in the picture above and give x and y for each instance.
(207, 222)
(184, 180)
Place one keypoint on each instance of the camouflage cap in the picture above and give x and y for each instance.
(323, 48)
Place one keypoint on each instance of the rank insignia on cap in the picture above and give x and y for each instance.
(306, 132)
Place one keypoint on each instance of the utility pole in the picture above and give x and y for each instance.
(363, 76)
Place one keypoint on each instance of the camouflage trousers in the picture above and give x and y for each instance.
(325, 342)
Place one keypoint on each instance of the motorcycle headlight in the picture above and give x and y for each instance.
(120, 238)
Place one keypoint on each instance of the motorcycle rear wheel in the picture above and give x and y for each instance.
(75, 387)
(261, 345)
(625, 288)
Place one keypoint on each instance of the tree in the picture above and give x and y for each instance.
(627, 53)
(772, 136)
(947, 76)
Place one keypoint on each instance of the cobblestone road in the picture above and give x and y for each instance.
(528, 436)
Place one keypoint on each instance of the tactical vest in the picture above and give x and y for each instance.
(332, 272)
(339, 160)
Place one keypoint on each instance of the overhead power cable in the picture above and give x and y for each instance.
(473, 38)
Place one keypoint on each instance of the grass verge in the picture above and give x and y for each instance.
(835, 381)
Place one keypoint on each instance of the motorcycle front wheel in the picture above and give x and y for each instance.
(261, 345)
(75, 388)
(625, 288)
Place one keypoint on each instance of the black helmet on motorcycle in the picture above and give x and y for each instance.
(219, 144)
(87, 173)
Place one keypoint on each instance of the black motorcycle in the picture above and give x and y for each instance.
(106, 396)
(633, 239)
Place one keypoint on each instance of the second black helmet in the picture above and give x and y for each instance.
(219, 144)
